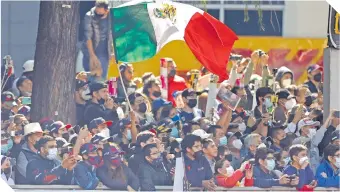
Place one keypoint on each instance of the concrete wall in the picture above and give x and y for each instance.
(19, 25)
(305, 19)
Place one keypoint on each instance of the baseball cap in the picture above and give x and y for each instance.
(28, 66)
(160, 102)
(111, 152)
(24, 110)
(314, 67)
(188, 92)
(335, 135)
(80, 84)
(237, 134)
(87, 148)
(123, 67)
(54, 127)
(45, 123)
(307, 122)
(61, 142)
(201, 133)
(96, 86)
(98, 121)
(284, 94)
(32, 128)
(123, 122)
(98, 137)
(164, 126)
(8, 96)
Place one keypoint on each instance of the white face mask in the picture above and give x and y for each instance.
(338, 127)
(105, 132)
(270, 164)
(242, 127)
(337, 162)
(286, 160)
(52, 154)
(237, 144)
(290, 104)
(286, 83)
(84, 94)
(312, 133)
(302, 160)
(230, 171)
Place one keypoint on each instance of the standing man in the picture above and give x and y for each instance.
(98, 47)
(175, 82)
(314, 78)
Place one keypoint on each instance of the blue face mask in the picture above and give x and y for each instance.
(174, 132)
(176, 118)
(223, 141)
(128, 134)
(5, 148)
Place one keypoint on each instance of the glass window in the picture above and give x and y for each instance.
(235, 20)
(214, 12)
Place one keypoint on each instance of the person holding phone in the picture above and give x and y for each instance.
(7, 103)
(327, 173)
(331, 124)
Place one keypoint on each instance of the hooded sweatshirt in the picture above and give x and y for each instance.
(7, 177)
(281, 71)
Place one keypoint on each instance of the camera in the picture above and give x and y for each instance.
(234, 57)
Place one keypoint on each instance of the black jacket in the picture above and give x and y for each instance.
(326, 139)
(94, 110)
(25, 156)
(103, 174)
(80, 108)
(136, 159)
(41, 171)
(151, 176)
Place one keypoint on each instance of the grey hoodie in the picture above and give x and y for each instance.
(281, 71)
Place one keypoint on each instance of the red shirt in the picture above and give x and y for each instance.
(176, 83)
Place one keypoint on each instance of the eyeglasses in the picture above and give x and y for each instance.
(337, 156)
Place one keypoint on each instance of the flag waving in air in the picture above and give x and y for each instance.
(141, 28)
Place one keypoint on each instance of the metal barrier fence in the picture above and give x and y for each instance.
(64, 188)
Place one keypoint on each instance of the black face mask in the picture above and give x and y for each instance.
(284, 143)
(198, 154)
(66, 136)
(156, 94)
(142, 108)
(172, 72)
(309, 101)
(7, 170)
(165, 113)
(98, 16)
(317, 77)
(229, 157)
(192, 103)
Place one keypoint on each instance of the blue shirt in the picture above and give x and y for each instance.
(197, 170)
(333, 178)
(306, 176)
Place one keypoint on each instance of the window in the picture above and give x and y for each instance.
(235, 20)
(214, 12)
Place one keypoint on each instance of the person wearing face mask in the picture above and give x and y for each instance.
(97, 45)
(7, 103)
(282, 161)
(99, 125)
(175, 82)
(227, 177)
(85, 171)
(327, 173)
(101, 105)
(286, 102)
(235, 145)
(263, 98)
(152, 89)
(300, 167)
(6, 170)
(45, 169)
(251, 142)
(284, 77)
(32, 133)
(264, 177)
(81, 97)
(280, 141)
(151, 172)
(59, 129)
(331, 124)
(197, 168)
(189, 112)
(140, 105)
(314, 78)
(310, 137)
(218, 135)
(126, 70)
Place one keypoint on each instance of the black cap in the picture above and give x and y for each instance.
(7, 96)
(284, 94)
(132, 97)
(335, 135)
(80, 84)
(238, 135)
(96, 86)
(263, 91)
(188, 92)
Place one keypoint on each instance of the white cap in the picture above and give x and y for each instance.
(307, 122)
(32, 128)
(201, 133)
(28, 66)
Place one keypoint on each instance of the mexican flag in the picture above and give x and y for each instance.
(141, 28)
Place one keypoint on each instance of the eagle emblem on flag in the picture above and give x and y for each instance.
(167, 11)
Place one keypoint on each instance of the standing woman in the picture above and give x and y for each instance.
(115, 174)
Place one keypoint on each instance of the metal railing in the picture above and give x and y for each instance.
(62, 188)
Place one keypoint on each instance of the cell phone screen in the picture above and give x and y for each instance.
(26, 101)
